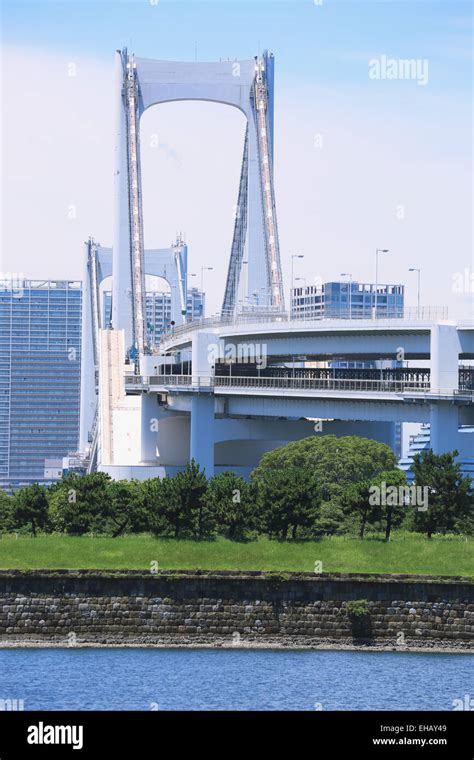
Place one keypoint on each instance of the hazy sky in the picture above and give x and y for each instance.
(360, 163)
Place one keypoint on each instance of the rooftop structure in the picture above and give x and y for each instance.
(347, 300)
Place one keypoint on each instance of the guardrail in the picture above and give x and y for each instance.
(176, 380)
(424, 314)
(207, 382)
(324, 384)
(286, 383)
(133, 380)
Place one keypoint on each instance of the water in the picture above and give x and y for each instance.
(171, 679)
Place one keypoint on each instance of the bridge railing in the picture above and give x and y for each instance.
(324, 384)
(358, 385)
(133, 380)
(424, 314)
(286, 383)
(178, 380)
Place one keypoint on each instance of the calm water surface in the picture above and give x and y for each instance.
(171, 679)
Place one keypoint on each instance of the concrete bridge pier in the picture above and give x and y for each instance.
(150, 415)
(444, 416)
(202, 432)
(444, 427)
(164, 434)
(444, 363)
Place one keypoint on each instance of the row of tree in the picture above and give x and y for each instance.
(307, 489)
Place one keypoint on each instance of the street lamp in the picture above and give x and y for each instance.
(204, 269)
(349, 275)
(377, 251)
(293, 257)
(418, 271)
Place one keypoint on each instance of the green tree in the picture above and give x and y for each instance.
(153, 505)
(181, 501)
(288, 499)
(7, 521)
(330, 519)
(231, 500)
(450, 494)
(78, 503)
(355, 502)
(31, 507)
(124, 507)
(391, 509)
(335, 463)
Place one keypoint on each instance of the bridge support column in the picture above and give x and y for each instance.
(444, 357)
(204, 355)
(444, 427)
(121, 284)
(444, 366)
(202, 432)
(257, 284)
(150, 416)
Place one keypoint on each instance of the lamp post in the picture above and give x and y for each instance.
(377, 251)
(418, 271)
(204, 269)
(293, 257)
(349, 275)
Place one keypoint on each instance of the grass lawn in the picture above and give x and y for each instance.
(404, 554)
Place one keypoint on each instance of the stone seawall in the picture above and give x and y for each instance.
(230, 608)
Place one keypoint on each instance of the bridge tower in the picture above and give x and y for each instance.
(246, 85)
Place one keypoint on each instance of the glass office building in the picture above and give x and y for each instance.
(347, 300)
(40, 369)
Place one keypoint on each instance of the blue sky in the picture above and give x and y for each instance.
(308, 39)
(386, 144)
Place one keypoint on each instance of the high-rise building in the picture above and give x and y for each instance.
(40, 360)
(349, 300)
(158, 311)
